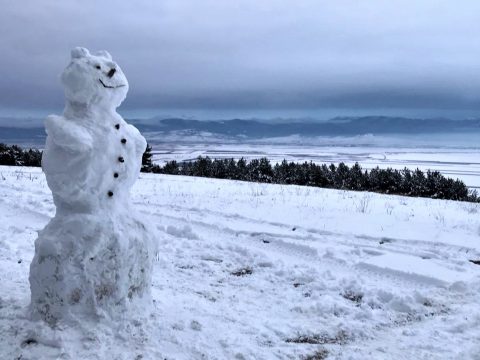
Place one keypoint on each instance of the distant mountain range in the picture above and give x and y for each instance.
(13, 130)
(340, 126)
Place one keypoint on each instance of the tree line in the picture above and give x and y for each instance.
(15, 156)
(417, 183)
(430, 184)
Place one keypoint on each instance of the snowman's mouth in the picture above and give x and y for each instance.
(110, 86)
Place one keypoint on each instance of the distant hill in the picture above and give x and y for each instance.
(16, 132)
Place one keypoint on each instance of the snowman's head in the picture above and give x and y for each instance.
(94, 79)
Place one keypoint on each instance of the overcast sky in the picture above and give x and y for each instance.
(285, 57)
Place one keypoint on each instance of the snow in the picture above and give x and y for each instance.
(422, 269)
(93, 260)
(256, 271)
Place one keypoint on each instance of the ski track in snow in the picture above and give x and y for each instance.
(246, 268)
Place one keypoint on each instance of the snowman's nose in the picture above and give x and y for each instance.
(111, 72)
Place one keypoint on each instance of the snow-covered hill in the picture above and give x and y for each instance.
(256, 271)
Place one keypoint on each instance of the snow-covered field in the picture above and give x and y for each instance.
(257, 271)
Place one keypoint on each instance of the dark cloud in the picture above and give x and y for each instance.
(251, 54)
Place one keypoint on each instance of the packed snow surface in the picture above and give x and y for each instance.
(257, 271)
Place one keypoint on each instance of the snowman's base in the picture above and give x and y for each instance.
(89, 265)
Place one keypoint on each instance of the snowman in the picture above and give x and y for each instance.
(94, 258)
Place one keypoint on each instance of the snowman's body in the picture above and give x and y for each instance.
(95, 255)
(96, 159)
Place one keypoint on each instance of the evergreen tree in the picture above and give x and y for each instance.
(171, 167)
(202, 167)
(218, 170)
(242, 169)
(282, 173)
(319, 176)
(231, 169)
(263, 170)
(356, 179)
(147, 164)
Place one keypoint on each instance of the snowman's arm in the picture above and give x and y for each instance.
(67, 134)
(140, 142)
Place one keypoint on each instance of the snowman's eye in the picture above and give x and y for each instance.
(98, 67)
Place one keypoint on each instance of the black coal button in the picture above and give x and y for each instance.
(117, 126)
(110, 193)
(115, 175)
(121, 159)
(124, 141)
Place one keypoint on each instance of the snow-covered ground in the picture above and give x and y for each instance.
(257, 271)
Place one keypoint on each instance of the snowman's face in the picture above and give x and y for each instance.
(94, 79)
